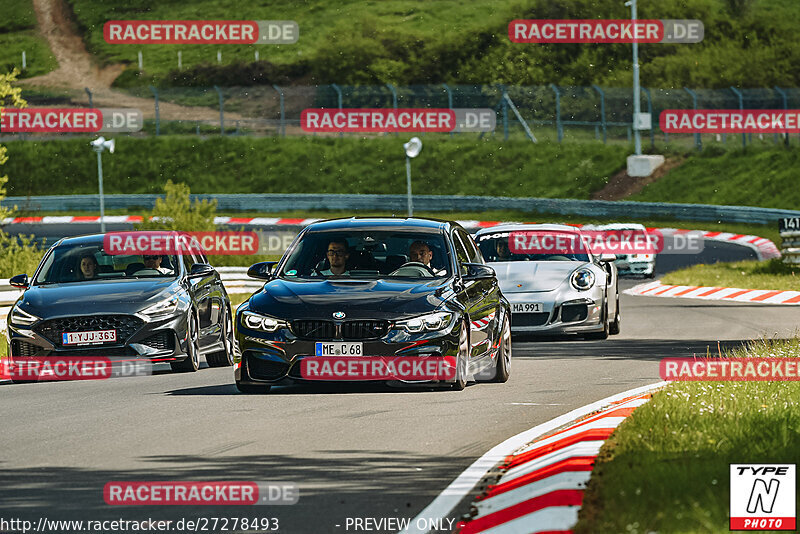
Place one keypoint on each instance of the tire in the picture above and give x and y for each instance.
(192, 361)
(251, 389)
(614, 327)
(593, 336)
(461, 360)
(224, 357)
(503, 365)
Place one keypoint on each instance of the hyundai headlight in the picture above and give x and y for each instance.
(256, 321)
(431, 322)
(167, 306)
(20, 317)
(582, 279)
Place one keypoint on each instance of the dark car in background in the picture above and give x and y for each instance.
(83, 301)
(384, 305)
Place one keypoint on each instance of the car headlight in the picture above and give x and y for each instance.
(21, 317)
(165, 307)
(264, 323)
(431, 322)
(582, 279)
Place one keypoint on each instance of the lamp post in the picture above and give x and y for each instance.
(413, 148)
(637, 105)
(98, 145)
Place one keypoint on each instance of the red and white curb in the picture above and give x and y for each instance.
(541, 488)
(756, 296)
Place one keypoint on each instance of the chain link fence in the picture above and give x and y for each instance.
(558, 113)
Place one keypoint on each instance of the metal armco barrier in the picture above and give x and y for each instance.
(273, 203)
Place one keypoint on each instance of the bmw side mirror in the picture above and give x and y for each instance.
(20, 281)
(607, 258)
(478, 271)
(199, 270)
(261, 270)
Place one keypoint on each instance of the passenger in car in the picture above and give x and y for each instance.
(338, 253)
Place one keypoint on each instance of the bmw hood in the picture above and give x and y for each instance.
(86, 298)
(531, 276)
(367, 299)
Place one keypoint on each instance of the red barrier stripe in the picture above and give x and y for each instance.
(23, 220)
(85, 218)
(712, 234)
(240, 220)
(742, 292)
(765, 296)
(488, 224)
(792, 300)
(713, 290)
(594, 434)
(555, 498)
(735, 237)
(576, 463)
(290, 221)
(679, 293)
(666, 288)
(650, 289)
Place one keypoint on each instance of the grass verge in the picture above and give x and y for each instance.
(665, 469)
(751, 274)
(448, 166)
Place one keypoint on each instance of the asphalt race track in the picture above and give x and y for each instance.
(354, 451)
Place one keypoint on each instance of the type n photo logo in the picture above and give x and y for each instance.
(763, 497)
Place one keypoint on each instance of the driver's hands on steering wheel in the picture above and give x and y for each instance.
(414, 264)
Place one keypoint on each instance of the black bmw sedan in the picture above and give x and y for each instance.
(375, 299)
(83, 302)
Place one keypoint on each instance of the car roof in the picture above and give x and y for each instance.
(373, 223)
(515, 227)
(89, 239)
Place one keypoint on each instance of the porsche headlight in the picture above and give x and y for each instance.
(431, 322)
(20, 317)
(256, 321)
(165, 307)
(582, 279)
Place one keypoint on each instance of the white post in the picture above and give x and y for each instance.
(102, 200)
(219, 56)
(256, 55)
(179, 60)
(24, 61)
(637, 104)
(140, 61)
(408, 187)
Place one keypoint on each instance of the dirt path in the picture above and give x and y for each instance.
(621, 186)
(75, 68)
(76, 71)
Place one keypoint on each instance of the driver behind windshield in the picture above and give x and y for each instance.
(337, 253)
(154, 262)
(88, 267)
(421, 252)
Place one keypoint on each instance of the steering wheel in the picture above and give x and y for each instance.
(417, 268)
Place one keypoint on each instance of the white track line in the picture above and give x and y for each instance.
(453, 494)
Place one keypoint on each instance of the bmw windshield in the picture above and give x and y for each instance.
(90, 262)
(368, 255)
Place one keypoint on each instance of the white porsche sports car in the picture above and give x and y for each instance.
(554, 283)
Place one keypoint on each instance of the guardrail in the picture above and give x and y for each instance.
(273, 203)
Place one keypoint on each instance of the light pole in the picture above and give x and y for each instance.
(637, 106)
(98, 145)
(413, 148)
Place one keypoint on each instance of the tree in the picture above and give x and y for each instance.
(175, 211)
(17, 254)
